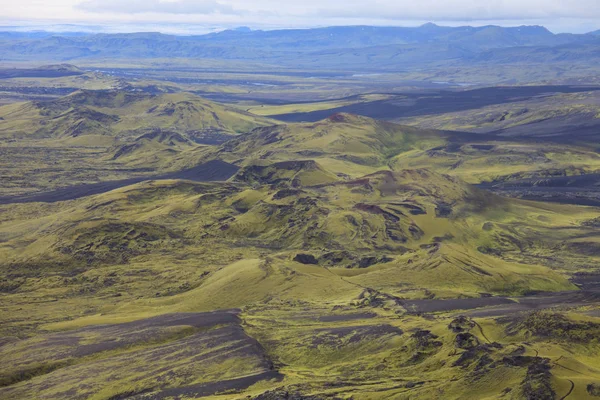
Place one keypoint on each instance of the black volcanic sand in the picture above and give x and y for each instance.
(562, 182)
(220, 332)
(76, 343)
(37, 73)
(499, 306)
(346, 317)
(212, 171)
(580, 189)
(210, 388)
(413, 104)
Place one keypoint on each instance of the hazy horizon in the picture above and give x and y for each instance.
(196, 17)
(192, 29)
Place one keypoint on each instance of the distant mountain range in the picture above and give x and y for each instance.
(347, 47)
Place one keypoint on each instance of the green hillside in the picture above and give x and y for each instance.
(343, 259)
(344, 144)
(92, 136)
(286, 246)
(121, 114)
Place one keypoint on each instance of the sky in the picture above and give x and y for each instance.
(199, 16)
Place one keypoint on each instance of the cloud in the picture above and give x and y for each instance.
(558, 15)
(442, 10)
(438, 10)
(156, 6)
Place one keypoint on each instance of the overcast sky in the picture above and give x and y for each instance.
(189, 16)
